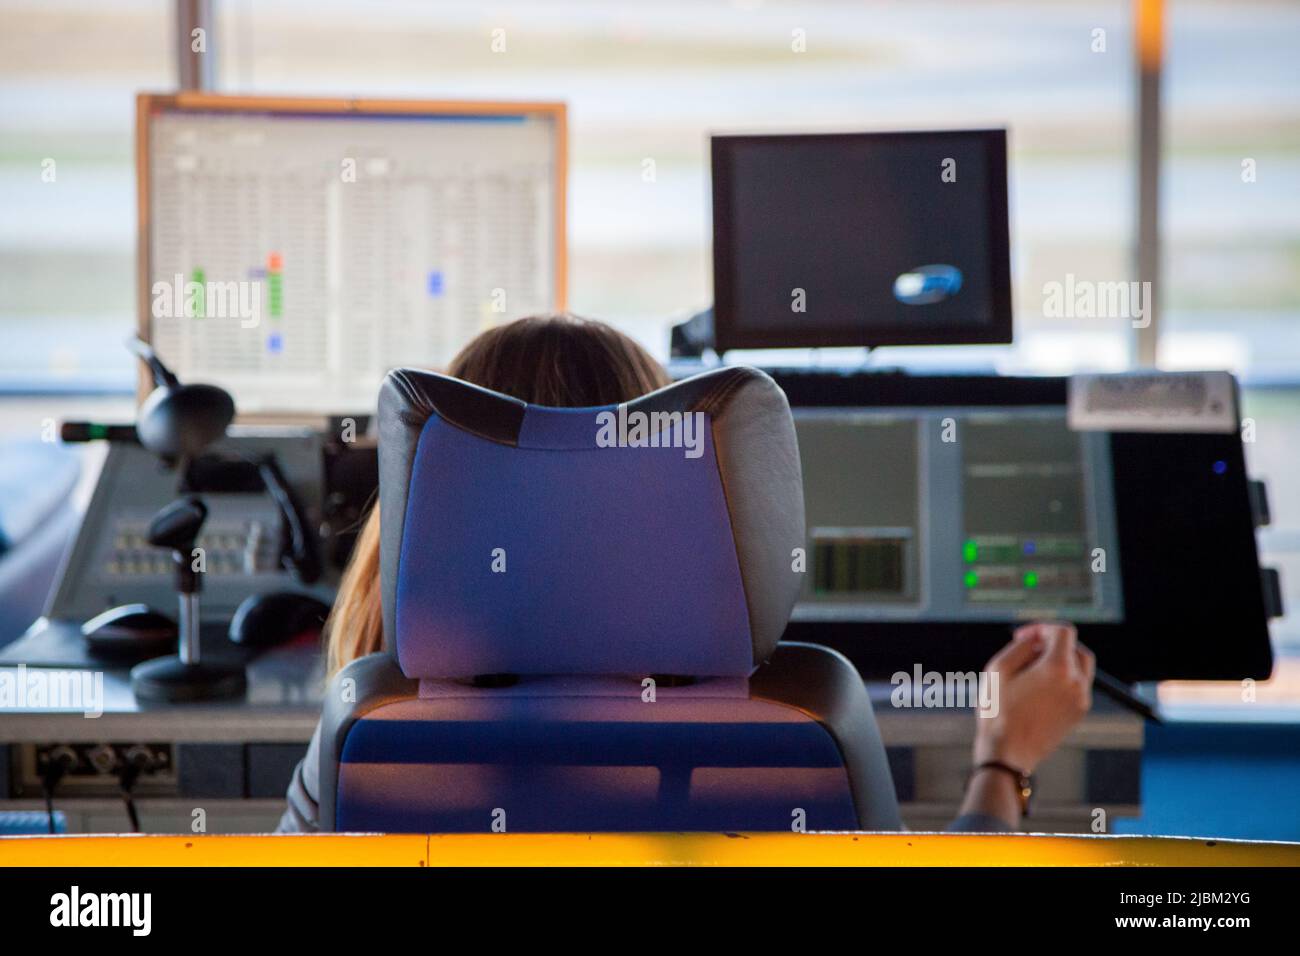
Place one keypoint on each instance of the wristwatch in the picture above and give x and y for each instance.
(1024, 781)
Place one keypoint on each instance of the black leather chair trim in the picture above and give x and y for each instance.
(825, 686)
(700, 393)
(479, 411)
(377, 681)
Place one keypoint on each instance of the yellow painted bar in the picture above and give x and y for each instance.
(641, 849)
(332, 849)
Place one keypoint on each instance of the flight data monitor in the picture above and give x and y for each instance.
(293, 251)
(956, 514)
(861, 239)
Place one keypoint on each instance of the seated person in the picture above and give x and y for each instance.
(1045, 677)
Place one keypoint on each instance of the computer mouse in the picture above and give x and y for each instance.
(265, 620)
(132, 631)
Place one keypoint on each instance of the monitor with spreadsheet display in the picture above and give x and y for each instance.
(292, 251)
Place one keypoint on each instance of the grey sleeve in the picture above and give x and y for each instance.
(302, 815)
(979, 823)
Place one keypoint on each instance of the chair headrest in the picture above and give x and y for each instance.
(653, 537)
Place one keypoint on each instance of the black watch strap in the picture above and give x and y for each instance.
(1024, 781)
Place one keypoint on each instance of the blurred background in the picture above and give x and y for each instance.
(650, 80)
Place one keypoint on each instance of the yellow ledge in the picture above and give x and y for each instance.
(641, 849)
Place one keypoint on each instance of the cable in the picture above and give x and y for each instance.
(136, 761)
(57, 764)
(131, 815)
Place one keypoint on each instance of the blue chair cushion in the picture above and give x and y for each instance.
(545, 764)
(566, 560)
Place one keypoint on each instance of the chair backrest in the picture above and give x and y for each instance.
(628, 568)
(651, 537)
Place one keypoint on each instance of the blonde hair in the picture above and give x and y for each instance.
(558, 360)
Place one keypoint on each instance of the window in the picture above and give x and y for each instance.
(646, 82)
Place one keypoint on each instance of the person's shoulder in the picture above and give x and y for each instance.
(302, 815)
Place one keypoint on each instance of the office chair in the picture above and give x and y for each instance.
(581, 620)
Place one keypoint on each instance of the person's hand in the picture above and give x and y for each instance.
(1044, 687)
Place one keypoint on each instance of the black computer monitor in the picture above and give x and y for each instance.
(943, 510)
(861, 239)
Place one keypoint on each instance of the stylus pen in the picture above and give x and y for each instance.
(1119, 692)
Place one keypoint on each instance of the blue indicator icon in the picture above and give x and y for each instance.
(925, 285)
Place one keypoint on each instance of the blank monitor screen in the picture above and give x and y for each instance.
(364, 235)
(956, 514)
(861, 239)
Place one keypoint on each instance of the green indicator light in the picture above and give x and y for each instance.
(198, 297)
(972, 579)
(276, 295)
(1031, 579)
(970, 551)
(99, 431)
